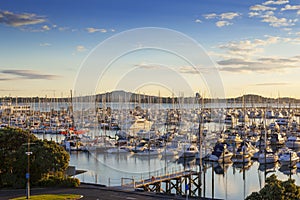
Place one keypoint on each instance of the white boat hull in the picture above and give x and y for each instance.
(268, 158)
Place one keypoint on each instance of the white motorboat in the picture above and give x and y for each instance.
(240, 157)
(293, 142)
(140, 147)
(121, 149)
(247, 148)
(267, 157)
(282, 121)
(149, 151)
(288, 157)
(244, 153)
(189, 151)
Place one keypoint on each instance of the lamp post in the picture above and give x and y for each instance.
(28, 153)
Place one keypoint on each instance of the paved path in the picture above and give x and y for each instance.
(89, 193)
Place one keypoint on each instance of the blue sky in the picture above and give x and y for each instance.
(255, 45)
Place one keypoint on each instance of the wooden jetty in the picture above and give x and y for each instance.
(182, 183)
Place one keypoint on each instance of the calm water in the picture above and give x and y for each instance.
(235, 183)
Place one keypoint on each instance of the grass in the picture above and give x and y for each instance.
(52, 197)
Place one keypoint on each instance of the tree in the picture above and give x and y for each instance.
(47, 157)
(277, 190)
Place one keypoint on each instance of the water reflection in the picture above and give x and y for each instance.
(187, 162)
(288, 170)
(269, 167)
(242, 166)
(220, 169)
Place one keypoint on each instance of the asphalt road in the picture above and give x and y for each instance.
(88, 193)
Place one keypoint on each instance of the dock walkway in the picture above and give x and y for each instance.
(183, 183)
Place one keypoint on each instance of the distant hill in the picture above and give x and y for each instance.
(123, 96)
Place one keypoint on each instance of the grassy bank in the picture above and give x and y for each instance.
(52, 197)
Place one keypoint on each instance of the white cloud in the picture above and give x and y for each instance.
(269, 13)
(223, 18)
(272, 39)
(210, 16)
(80, 48)
(253, 14)
(198, 21)
(241, 48)
(93, 30)
(223, 23)
(226, 15)
(298, 12)
(278, 22)
(268, 16)
(278, 2)
(261, 8)
(245, 56)
(246, 48)
(229, 15)
(46, 28)
(289, 7)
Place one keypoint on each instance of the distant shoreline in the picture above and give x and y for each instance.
(122, 96)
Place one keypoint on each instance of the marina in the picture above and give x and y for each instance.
(150, 99)
(184, 149)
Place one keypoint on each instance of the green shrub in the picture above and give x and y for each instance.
(55, 181)
(47, 157)
(277, 190)
(11, 180)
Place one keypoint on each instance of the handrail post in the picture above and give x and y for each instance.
(133, 182)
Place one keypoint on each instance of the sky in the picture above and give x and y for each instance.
(218, 48)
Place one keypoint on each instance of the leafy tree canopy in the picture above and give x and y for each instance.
(46, 157)
(277, 190)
